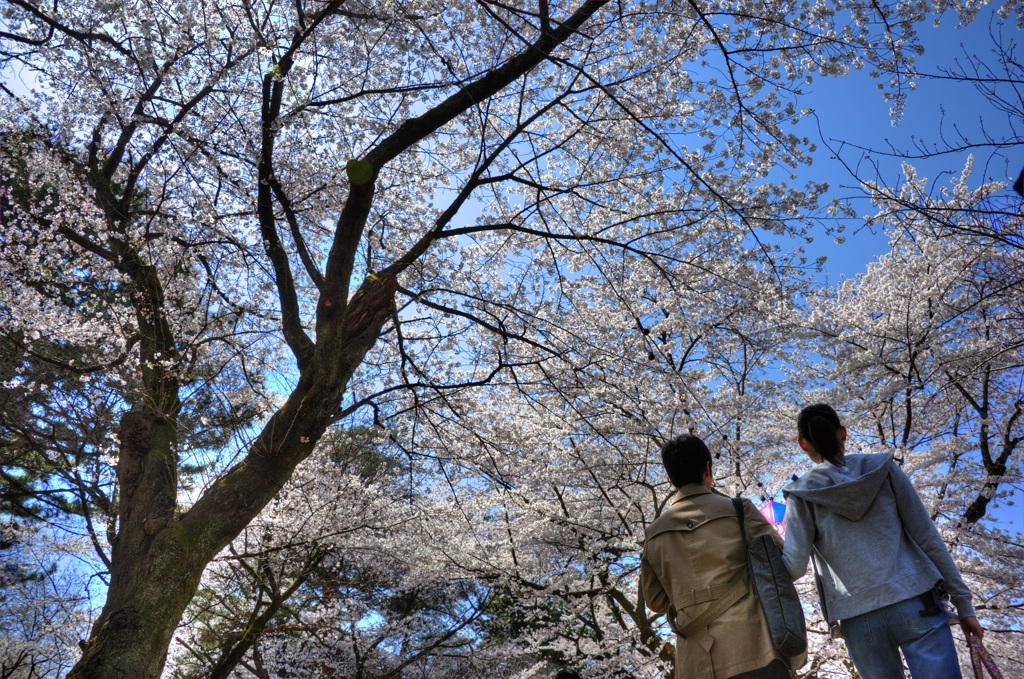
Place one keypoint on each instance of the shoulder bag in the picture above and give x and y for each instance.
(776, 592)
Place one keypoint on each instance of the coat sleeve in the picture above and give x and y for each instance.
(652, 589)
(800, 533)
(919, 527)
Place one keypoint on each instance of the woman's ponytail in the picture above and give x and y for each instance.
(819, 424)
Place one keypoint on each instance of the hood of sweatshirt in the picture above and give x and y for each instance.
(848, 490)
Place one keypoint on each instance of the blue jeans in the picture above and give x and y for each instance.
(874, 640)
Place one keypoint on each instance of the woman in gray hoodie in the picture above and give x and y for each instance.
(878, 553)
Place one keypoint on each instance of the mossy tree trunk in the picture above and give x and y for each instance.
(160, 552)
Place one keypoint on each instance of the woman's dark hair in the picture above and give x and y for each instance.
(820, 425)
(685, 458)
(567, 674)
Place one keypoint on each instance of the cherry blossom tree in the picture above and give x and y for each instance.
(43, 602)
(986, 75)
(564, 482)
(332, 578)
(392, 212)
(924, 354)
(541, 511)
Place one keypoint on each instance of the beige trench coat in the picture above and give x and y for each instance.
(691, 554)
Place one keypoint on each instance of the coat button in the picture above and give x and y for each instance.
(689, 524)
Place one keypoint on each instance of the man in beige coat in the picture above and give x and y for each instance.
(693, 554)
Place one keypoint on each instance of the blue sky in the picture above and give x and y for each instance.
(852, 109)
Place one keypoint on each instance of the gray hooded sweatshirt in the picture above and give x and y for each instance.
(851, 517)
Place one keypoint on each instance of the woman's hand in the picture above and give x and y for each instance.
(971, 627)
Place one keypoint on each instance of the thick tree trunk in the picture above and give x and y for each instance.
(154, 572)
(160, 553)
(159, 557)
(147, 597)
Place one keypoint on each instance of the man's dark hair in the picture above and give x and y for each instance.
(685, 458)
(567, 674)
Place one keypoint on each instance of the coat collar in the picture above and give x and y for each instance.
(688, 515)
(691, 489)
